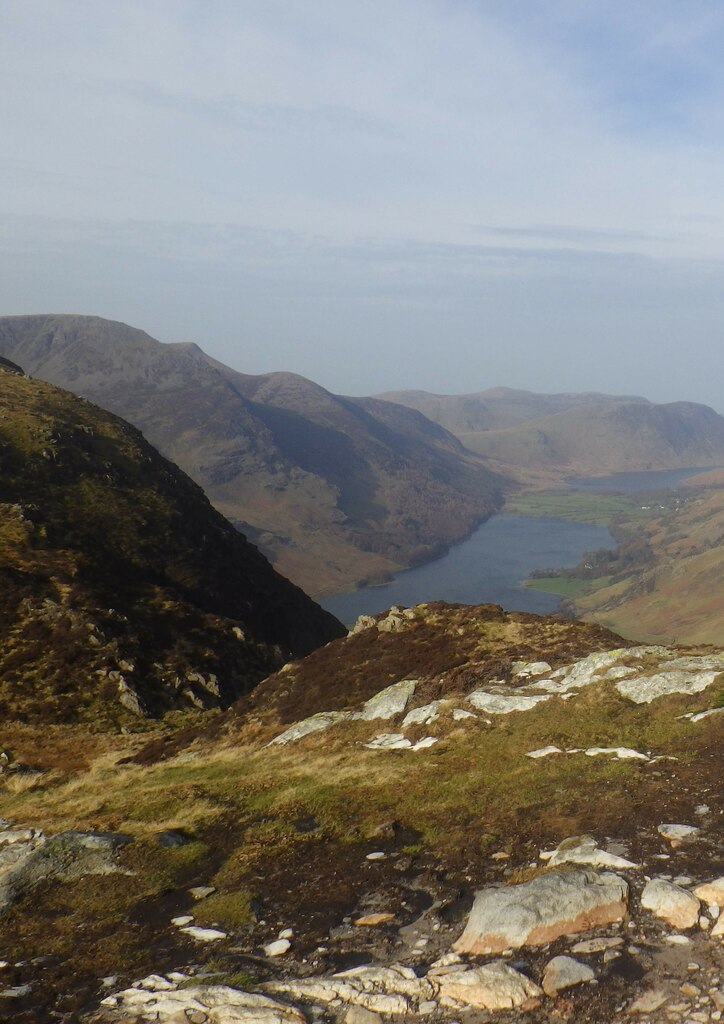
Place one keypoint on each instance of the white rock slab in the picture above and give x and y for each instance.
(425, 742)
(388, 702)
(544, 752)
(504, 703)
(389, 741)
(622, 753)
(645, 689)
(423, 715)
(459, 714)
(316, 723)
(220, 1004)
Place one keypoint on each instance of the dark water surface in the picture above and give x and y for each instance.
(488, 567)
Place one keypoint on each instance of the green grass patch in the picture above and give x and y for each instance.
(600, 509)
(567, 586)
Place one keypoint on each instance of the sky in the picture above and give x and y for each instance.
(381, 194)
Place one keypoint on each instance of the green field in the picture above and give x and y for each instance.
(567, 586)
(582, 506)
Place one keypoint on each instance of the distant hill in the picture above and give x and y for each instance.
(335, 490)
(122, 591)
(496, 408)
(545, 438)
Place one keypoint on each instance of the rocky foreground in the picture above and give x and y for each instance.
(454, 814)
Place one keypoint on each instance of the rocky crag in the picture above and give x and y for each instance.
(123, 593)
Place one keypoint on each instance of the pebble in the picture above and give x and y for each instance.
(377, 855)
(200, 892)
(277, 948)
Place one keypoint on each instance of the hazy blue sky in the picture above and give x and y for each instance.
(440, 194)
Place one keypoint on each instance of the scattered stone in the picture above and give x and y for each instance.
(500, 855)
(544, 752)
(181, 922)
(565, 972)
(671, 903)
(155, 983)
(373, 920)
(376, 855)
(17, 992)
(649, 1001)
(676, 834)
(286, 933)
(583, 850)
(678, 940)
(200, 892)
(204, 934)
(459, 714)
(278, 948)
(717, 931)
(711, 892)
(597, 945)
(540, 911)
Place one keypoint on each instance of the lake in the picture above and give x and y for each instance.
(488, 567)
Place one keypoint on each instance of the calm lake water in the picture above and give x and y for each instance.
(491, 565)
(488, 567)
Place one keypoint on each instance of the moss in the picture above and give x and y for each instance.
(231, 909)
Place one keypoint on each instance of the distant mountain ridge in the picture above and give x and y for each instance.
(335, 490)
(549, 437)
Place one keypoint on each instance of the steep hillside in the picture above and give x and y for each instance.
(676, 592)
(122, 591)
(544, 438)
(335, 490)
(340, 839)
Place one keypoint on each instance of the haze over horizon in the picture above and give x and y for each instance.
(438, 194)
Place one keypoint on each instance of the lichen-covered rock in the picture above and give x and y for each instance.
(583, 850)
(565, 972)
(494, 986)
(315, 723)
(388, 702)
(540, 911)
(671, 903)
(219, 1003)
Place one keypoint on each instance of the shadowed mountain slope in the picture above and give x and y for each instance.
(335, 490)
(122, 591)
